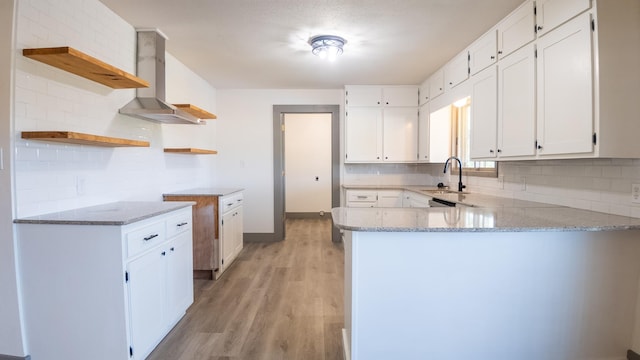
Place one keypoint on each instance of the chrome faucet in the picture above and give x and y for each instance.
(460, 186)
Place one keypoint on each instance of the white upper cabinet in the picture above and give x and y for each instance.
(552, 13)
(436, 84)
(400, 96)
(484, 116)
(424, 93)
(516, 104)
(423, 133)
(483, 52)
(565, 89)
(363, 96)
(381, 124)
(517, 29)
(363, 134)
(400, 129)
(457, 70)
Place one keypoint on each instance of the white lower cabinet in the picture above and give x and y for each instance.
(415, 200)
(104, 292)
(231, 229)
(390, 198)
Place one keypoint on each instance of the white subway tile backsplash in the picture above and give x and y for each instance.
(47, 98)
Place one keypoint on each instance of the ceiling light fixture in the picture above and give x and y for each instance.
(327, 46)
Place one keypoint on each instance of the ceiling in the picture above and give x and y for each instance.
(253, 44)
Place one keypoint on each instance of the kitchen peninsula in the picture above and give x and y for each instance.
(514, 280)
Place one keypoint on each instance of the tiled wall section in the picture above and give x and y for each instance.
(602, 185)
(53, 177)
(393, 174)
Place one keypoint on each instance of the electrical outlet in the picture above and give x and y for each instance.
(635, 193)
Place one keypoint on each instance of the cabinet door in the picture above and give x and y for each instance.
(363, 96)
(179, 276)
(400, 96)
(238, 235)
(436, 84)
(147, 302)
(400, 134)
(483, 52)
(390, 198)
(565, 89)
(226, 239)
(457, 70)
(516, 105)
(552, 13)
(424, 92)
(423, 133)
(484, 114)
(363, 135)
(516, 30)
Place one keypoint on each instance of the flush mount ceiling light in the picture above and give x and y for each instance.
(327, 46)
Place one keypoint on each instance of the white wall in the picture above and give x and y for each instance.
(52, 177)
(11, 338)
(245, 144)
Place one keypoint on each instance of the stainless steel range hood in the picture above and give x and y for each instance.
(150, 103)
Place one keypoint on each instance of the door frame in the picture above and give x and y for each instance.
(278, 162)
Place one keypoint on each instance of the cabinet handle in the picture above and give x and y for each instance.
(182, 224)
(491, 151)
(150, 237)
(450, 83)
(539, 27)
(539, 147)
(173, 249)
(440, 89)
(163, 253)
(362, 196)
(229, 204)
(493, 57)
(387, 103)
(499, 150)
(378, 157)
(378, 102)
(239, 200)
(499, 52)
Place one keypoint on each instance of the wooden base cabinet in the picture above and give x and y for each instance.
(104, 291)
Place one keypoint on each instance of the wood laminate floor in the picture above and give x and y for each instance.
(278, 301)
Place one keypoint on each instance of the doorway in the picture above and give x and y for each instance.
(279, 113)
(307, 165)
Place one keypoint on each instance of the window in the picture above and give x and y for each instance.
(461, 142)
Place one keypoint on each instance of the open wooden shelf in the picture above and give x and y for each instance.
(81, 64)
(191, 151)
(82, 139)
(196, 111)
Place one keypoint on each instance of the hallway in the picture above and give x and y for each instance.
(278, 301)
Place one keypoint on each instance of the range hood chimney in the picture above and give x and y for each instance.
(150, 103)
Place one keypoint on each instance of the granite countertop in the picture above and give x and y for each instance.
(212, 191)
(481, 213)
(118, 213)
(476, 219)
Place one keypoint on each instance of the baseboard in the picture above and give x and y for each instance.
(259, 237)
(308, 215)
(9, 357)
(632, 355)
(346, 350)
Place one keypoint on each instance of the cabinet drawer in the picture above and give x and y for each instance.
(229, 202)
(361, 204)
(178, 224)
(145, 238)
(362, 196)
